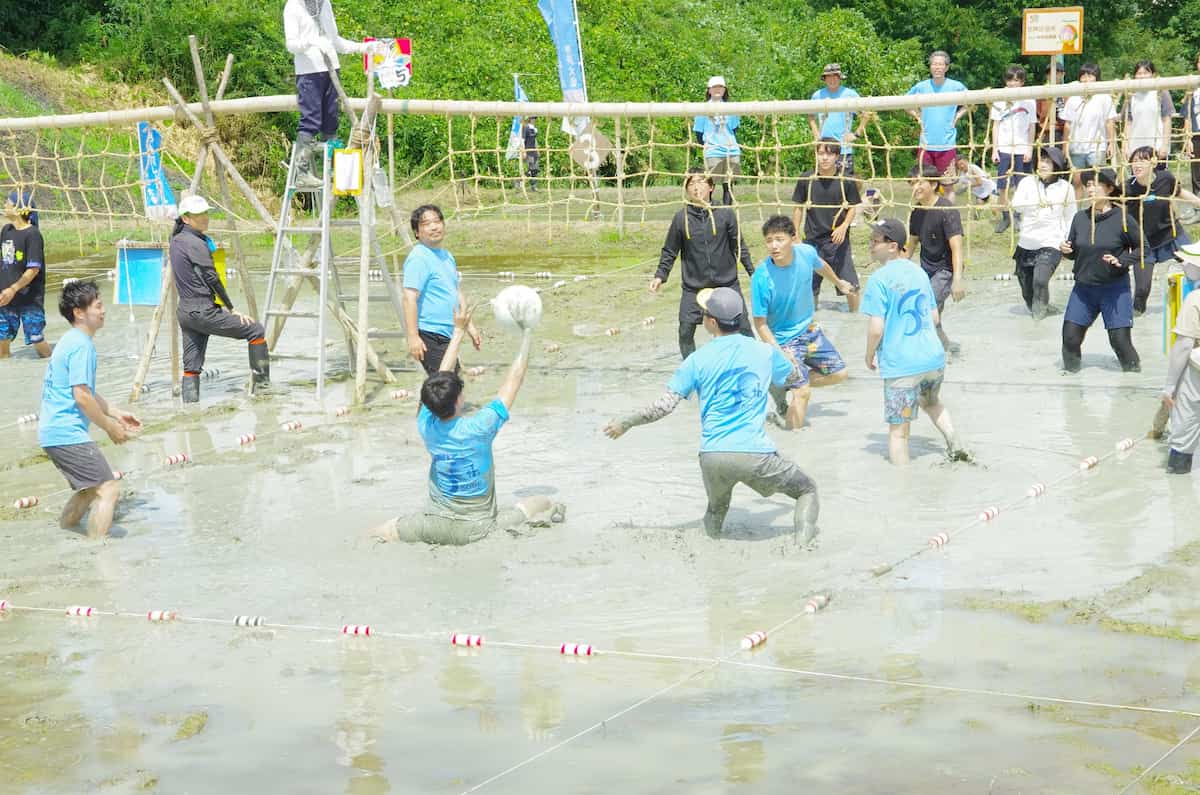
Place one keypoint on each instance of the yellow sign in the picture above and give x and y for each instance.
(219, 266)
(1052, 31)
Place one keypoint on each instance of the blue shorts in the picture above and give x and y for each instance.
(1113, 301)
(902, 396)
(1166, 252)
(1086, 161)
(813, 351)
(1011, 164)
(30, 318)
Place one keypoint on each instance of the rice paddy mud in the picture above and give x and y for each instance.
(1050, 650)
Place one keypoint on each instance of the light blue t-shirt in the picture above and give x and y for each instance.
(938, 121)
(434, 273)
(73, 363)
(835, 125)
(719, 140)
(901, 294)
(462, 482)
(784, 295)
(732, 373)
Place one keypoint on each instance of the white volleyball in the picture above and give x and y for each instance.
(517, 308)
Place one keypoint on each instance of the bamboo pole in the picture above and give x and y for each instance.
(620, 156)
(143, 367)
(220, 156)
(173, 328)
(286, 103)
(243, 275)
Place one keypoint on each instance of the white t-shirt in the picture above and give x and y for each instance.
(976, 179)
(1144, 114)
(1089, 122)
(1014, 123)
(1046, 212)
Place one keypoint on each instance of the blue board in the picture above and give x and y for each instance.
(139, 275)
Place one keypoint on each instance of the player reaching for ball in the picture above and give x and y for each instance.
(732, 374)
(462, 481)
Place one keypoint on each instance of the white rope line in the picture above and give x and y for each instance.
(592, 728)
(1162, 758)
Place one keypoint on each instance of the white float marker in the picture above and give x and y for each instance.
(246, 438)
(576, 649)
(4, 605)
(341, 411)
(754, 640)
(356, 629)
(1124, 445)
(818, 602)
(400, 394)
(161, 615)
(119, 474)
(1089, 462)
(939, 540)
(178, 458)
(988, 514)
(290, 425)
(475, 372)
(80, 610)
(26, 419)
(560, 283)
(461, 639)
(580, 278)
(612, 332)
(647, 322)
(25, 502)
(552, 347)
(1036, 490)
(248, 621)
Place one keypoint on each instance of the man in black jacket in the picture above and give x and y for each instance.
(708, 241)
(199, 289)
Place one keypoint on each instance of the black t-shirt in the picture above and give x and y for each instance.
(828, 200)
(1153, 208)
(934, 226)
(21, 249)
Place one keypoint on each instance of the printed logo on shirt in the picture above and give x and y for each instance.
(455, 473)
(917, 312)
(8, 253)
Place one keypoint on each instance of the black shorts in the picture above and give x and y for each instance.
(435, 351)
(838, 257)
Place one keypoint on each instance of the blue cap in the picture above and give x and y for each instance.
(24, 201)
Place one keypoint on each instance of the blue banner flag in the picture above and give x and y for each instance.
(515, 141)
(564, 32)
(156, 191)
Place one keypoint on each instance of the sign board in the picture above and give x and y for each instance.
(590, 148)
(139, 273)
(392, 61)
(1052, 31)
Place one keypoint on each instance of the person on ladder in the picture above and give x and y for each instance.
(199, 289)
(311, 35)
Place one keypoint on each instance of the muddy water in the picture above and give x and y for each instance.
(277, 530)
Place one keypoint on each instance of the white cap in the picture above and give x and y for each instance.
(716, 80)
(193, 205)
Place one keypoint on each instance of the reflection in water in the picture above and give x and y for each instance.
(541, 703)
(745, 755)
(463, 687)
(358, 723)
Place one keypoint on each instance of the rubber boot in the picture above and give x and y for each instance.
(190, 388)
(306, 178)
(1003, 224)
(1179, 463)
(260, 366)
(804, 518)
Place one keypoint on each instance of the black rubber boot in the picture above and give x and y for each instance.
(260, 365)
(1004, 222)
(190, 388)
(1179, 463)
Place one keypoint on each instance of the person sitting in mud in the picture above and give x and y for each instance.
(462, 480)
(732, 375)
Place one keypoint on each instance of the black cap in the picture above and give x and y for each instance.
(892, 230)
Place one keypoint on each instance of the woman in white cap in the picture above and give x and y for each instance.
(200, 288)
(1181, 395)
(715, 132)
